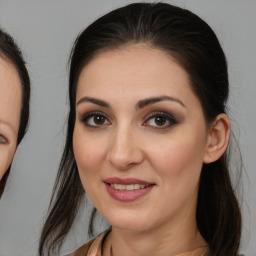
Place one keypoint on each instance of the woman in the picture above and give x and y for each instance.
(14, 103)
(147, 138)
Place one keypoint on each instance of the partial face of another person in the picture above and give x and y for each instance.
(10, 109)
(140, 138)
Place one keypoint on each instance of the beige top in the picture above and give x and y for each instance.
(94, 247)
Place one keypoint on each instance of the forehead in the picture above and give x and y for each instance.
(10, 96)
(135, 63)
(133, 69)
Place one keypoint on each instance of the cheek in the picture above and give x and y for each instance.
(88, 154)
(178, 159)
(178, 167)
(3, 166)
(6, 157)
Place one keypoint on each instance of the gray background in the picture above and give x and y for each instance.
(45, 30)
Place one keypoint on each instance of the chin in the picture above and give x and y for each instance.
(129, 221)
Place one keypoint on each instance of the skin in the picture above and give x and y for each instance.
(10, 108)
(129, 143)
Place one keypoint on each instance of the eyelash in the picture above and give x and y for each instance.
(86, 118)
(167, 118)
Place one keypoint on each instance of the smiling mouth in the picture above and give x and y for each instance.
(129, 187)
(127, 190)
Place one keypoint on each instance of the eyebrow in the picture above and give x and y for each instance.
(153, 100)
(140, 104)
(99, 102)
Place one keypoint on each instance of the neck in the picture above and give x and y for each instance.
(160, 241)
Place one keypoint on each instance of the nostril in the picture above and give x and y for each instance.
(124, 151)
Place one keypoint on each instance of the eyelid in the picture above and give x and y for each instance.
(84, 118)
(160, 113)
(92, 113)
(169, 117)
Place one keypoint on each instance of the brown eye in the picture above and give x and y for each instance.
(99, 120)
(2, 139)
(95, 120)
(160, 120)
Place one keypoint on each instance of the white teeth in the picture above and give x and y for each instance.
(127, 187)
(137, 186)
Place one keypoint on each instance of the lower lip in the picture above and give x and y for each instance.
(127, 195)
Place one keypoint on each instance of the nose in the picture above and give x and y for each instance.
(125, 149)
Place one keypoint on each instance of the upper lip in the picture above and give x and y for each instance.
(127, 181)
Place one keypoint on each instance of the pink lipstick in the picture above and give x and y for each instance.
(127, 190)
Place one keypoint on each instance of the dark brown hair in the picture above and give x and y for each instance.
(11, 52)
(194, 45)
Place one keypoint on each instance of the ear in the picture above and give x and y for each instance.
(218, 137)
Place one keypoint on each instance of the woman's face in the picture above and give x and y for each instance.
(10, 108)
(139, 138)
